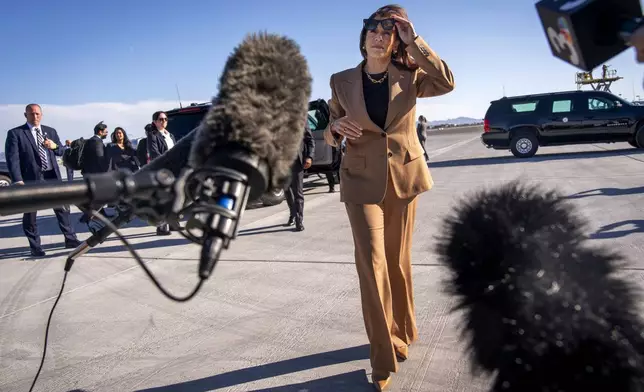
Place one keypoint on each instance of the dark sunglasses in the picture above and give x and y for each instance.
(163, 119)
(372, 24)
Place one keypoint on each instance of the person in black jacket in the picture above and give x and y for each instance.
(31, 150)
(70, 171)
(295, 191)
(121, 153)
(95, 159)
(159, 140)
(421, 131)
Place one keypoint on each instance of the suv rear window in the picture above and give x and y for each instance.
(180, 124)
(562, 106)
(523, 107)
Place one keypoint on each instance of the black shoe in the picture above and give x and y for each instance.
(291, 221)
(299, 226)
(161, 231)
(331, 190)
(38, 253)
(72, 244)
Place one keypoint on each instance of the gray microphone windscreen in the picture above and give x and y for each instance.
(262, 105)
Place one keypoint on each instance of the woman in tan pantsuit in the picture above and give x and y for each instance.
(373, 107)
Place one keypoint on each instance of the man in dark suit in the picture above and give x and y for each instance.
(95, 159)
(31, 151)
(159, 140)
(295, 191)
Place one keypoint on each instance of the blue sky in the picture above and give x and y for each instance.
(118, 61)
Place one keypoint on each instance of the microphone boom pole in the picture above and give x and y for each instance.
(148, 193)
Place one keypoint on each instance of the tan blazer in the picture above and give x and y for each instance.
(395, 149)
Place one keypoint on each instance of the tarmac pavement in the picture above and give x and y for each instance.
(282, 310)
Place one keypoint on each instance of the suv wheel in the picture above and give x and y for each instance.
(639, 138)
(5, 181)
(273, 197)
(524, 145)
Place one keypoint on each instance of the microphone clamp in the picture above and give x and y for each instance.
(220, 191)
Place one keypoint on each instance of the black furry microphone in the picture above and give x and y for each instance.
(249, 139)
(542, 308)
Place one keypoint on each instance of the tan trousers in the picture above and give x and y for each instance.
(382, 235)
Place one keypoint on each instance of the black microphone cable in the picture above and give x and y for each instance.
(138, 259)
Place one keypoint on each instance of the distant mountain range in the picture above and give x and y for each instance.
(456, 121)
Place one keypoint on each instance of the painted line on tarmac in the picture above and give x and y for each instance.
(443, 150)
(279, 216)
(69, 291)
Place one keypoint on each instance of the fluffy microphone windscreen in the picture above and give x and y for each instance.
(262, 104)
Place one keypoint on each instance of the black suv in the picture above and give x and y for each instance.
(327, 159)
(523, 123)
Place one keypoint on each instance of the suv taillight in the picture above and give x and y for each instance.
(486, 125)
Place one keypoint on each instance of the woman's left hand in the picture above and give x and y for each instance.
(405, 28)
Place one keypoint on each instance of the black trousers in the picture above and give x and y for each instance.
(330, 177)
(295, 193)
(422, 143)
(30, 227)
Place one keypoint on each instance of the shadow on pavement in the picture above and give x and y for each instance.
(25, 251)
(266, 229)
(162, 242)
(48, 225)
(254, 229)
(607, 192)
(607, 231)
(152, 233)
(355, 381)
(536, 158)
(352, 381)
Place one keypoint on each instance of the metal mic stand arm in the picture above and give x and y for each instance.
(148, 195)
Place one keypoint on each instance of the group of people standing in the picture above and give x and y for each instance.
(32, 149)
(121, 154)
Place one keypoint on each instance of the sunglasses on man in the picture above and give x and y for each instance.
(372, 24)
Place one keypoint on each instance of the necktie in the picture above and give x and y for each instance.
(41, 149)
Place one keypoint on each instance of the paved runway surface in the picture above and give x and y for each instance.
(282, 311)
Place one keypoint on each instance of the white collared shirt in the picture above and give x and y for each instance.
(32, 128)
(168, 139)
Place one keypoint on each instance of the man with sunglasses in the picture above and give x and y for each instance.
(159, 140)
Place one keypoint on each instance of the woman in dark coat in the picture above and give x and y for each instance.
(121, 153)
